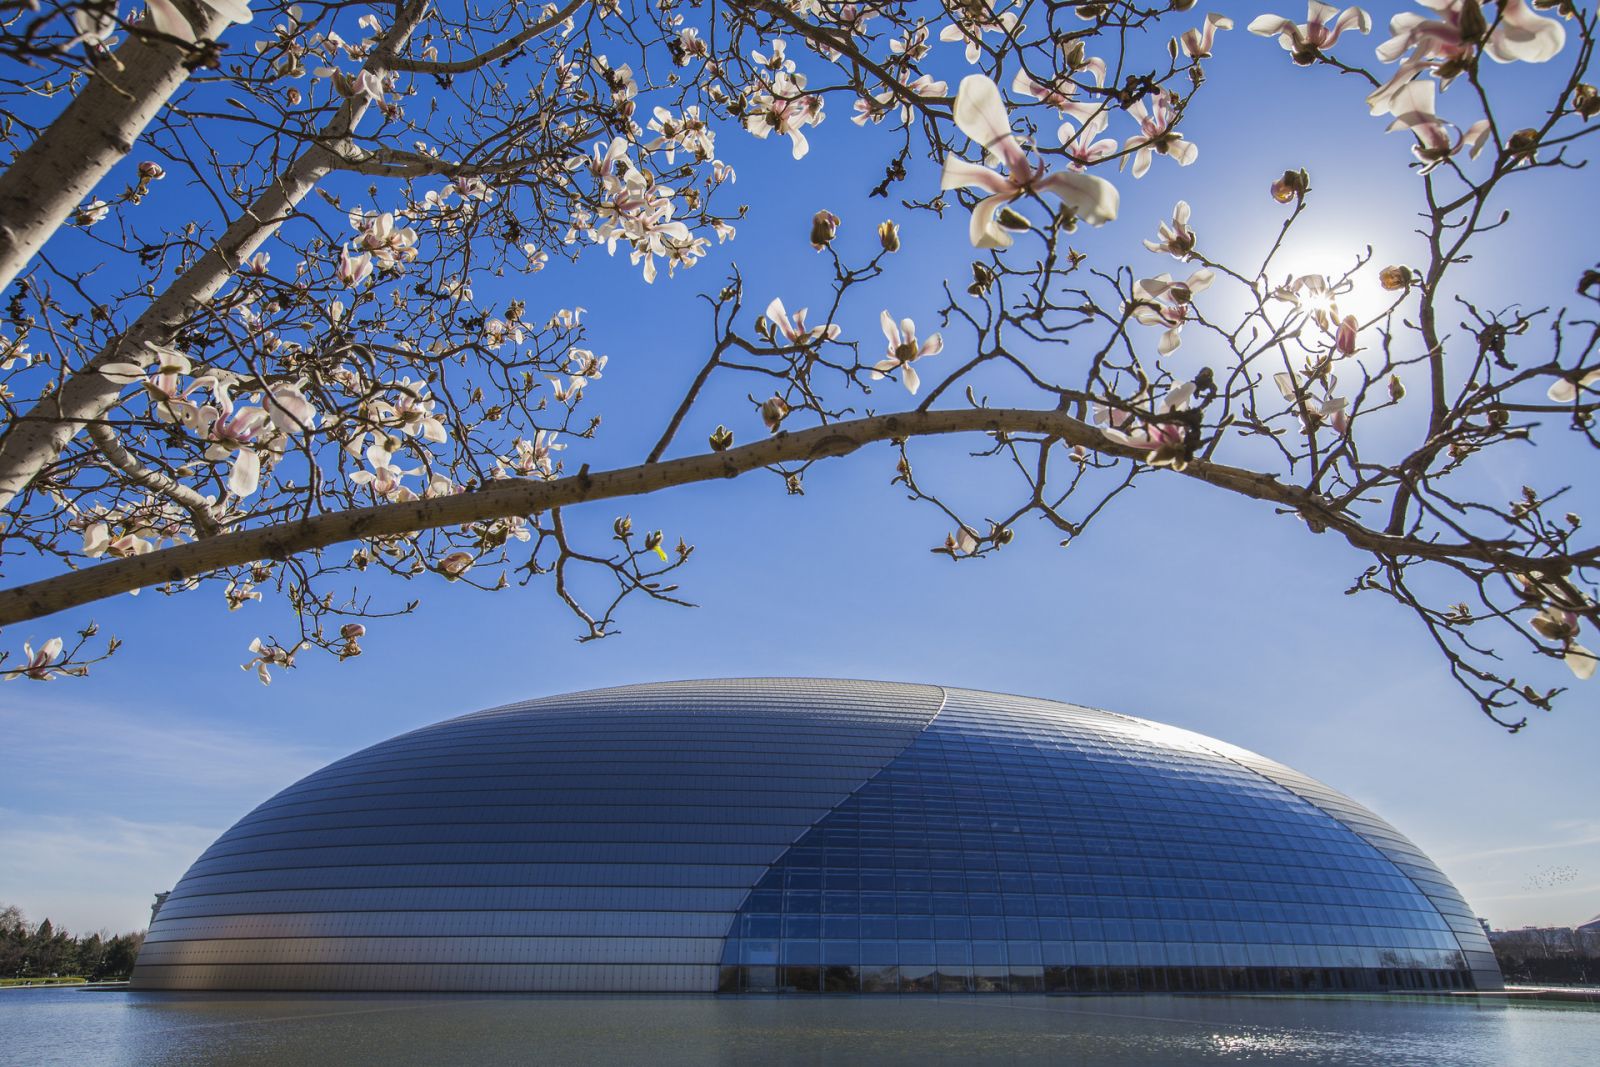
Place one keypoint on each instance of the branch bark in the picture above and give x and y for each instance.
(515, 497)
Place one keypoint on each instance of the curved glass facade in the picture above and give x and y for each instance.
(810, 836)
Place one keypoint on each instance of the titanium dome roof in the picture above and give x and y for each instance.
(803, 835)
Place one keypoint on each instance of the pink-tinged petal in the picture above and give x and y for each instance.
(890, 332)
(776, 314)
(883, 366)
(1141, 161)
(1580, 661)
(1352, 17)
(164, 17)
(908, 375)
(1201, 280)
(932, 346)
(1185, 152)
(986, 231)
(1094, 200)
(1270, 25)
(1180, 213)
(246, 474)
(981, 114)
(1169, 342)
(1524, 35)
(961, 174)
(1477, 136)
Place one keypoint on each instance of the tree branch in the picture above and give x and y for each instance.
(515, 497)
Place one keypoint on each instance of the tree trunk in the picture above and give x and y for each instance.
(36, 439)
(47, 182)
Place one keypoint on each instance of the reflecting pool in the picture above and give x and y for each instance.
(87, 1028)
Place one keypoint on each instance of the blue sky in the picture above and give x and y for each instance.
(1183, 605)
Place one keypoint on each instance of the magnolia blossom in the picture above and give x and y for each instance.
(978, 19)
(1439, 44)
(1085, 147)
(13, 353)
(1163, 439)
(268, 656)
(233, 431)
(39, 664)
(92, 212)
(390, 245)
(353, 270)
(1197, 44)
(876, 108)
(1175, 238)
(1160, 301)
(793, 329)
(1565, 390)
(410, 412)
(534, 457)
(166, 17)
(95, 25)
(1329, 410)
(1559, 624)
(785, 108)
(1320, 32)
(1156, 134)
(962, 543)
(981, 115)
(384, 479)
(1437, 139)
(904, 350)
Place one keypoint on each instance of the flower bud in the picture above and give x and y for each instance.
(721, 439)
(1586, 100)
(1397, 389)
(455, 565)
(151, 171)
(1472, 26)
(352, 631)
(652, 540)
(1012, 220)
(824, 227)
(1395, 278)
(1294, 185)
(889, 235)
(1522, 144)
(623, 527)
(773, 411)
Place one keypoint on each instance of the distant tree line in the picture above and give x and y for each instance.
(1550, 956)
(29, 951)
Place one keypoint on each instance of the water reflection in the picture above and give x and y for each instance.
(114, 1028)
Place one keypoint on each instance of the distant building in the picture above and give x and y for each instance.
(811, 836)
(155, 908)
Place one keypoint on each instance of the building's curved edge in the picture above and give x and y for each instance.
(1407, 858)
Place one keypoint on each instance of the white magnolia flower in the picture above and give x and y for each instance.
(1320, 32)
(1565, 390)
(1160, 301)
(166, 17)
(904, 350)
(38, 666)
(981, 115)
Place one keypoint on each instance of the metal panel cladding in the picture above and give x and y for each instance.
(808, 836)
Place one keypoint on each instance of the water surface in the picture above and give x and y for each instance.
(87, 1028)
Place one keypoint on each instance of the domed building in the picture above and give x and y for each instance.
(811, 836)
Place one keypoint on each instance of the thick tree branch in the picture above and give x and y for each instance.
(517, 497)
